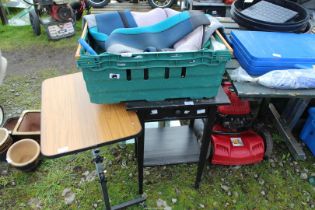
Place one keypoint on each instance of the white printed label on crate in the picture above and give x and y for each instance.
(237, 141)
(276, 55)
(201, 111)
(248, 1)
(128, 55)
(62, 149)
(189, 103)
(114, 76)
(154, 111)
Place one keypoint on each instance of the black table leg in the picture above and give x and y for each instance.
(136, 147)
(191, 123)
(206, 138)
(140, 156)
(98, 160)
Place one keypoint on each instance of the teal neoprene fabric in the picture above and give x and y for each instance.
(97, 35)
(162, 26)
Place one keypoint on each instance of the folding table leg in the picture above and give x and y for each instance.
(140, 156)
(191, 123)
(98, 160)
(136, 147)
(206, 138)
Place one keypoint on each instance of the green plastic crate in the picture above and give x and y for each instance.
(153, 76)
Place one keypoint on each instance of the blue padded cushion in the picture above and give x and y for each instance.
(106, 23)
(160, 36)
(130, 21)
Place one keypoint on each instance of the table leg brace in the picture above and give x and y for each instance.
(98, 160)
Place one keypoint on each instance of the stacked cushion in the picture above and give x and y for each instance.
(119, 30)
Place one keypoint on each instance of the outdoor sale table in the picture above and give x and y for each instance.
(70, 124)
(293, 110)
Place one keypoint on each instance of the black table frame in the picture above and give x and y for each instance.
(98, 160)
(175, 110)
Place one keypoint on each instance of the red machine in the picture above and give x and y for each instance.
(61, 12)
(228, 1)
(234, 140)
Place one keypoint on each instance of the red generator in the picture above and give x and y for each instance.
(234, 139)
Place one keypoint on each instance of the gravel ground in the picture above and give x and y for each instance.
(34, 59)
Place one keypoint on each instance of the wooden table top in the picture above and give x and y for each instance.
(71, 123)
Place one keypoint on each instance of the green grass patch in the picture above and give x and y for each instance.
(13, 38)
(269, 185)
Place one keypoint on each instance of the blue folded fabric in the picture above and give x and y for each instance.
(159, 36)
(102, 25)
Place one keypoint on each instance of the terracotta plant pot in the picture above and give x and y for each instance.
(28, 126)
(24, 154)
(5, 142)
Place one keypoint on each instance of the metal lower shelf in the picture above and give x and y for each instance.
(170, 145)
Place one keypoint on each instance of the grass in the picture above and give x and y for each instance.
(13, 37)
(278, 179)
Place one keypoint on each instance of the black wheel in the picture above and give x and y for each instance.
(76, 7)
(34, 20)
(161, 3)
(98, 3)
(261, 130)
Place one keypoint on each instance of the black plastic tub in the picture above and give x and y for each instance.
(298, 24)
